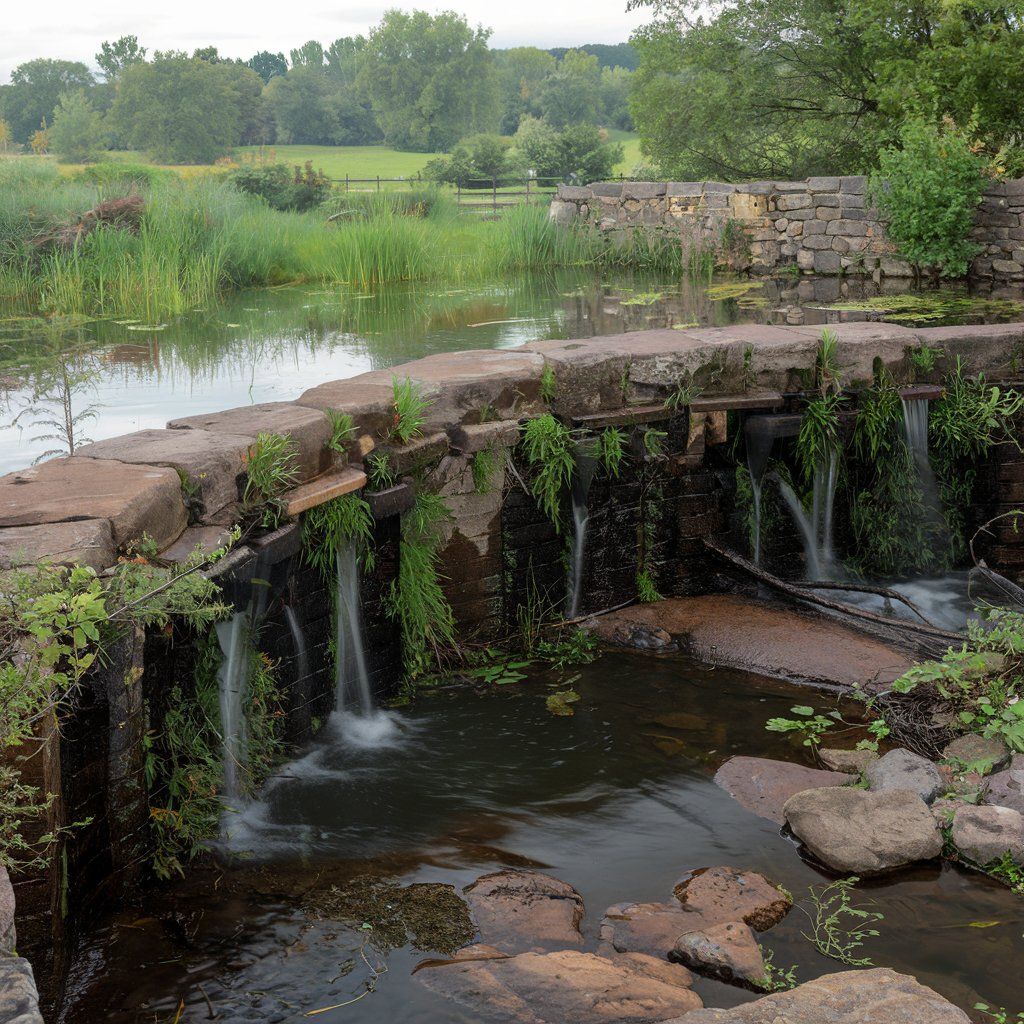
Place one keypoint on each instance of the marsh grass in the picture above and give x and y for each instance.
(200, 238)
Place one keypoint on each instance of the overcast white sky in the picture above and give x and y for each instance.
(73, 30)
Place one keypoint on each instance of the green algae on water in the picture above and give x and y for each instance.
(944, 307)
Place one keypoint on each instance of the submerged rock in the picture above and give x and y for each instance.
(863, 832)
(650, 928)
(902, 769)
(986, 834)
(562, 986)
(516, 911)
(855, 761)
(763, 786)
(725, 894)
(985, 753)
(878, 996)
(728, 952)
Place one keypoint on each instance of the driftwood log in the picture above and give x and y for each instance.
(919, 636)
(125, 214)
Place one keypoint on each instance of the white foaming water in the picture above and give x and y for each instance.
(298, 641)
(915, 432)
(232, 683)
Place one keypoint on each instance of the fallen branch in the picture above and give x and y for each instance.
(893, 595)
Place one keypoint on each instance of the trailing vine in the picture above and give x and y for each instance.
(548, 447)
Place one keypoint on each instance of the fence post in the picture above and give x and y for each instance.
(346, 181)
(494, 195)
(378, 182)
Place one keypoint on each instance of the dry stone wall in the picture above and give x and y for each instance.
(822, 225)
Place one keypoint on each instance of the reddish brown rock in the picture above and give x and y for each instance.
(728, 952)
(556, 988)
(763, 785)
(212, 461)
(757, 635)
(853, 761)
(878, 996)
(135, 499)
(308, 428)
(515, 911)
(87, 542)
(725, 894)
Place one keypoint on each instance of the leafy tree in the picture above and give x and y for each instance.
(6, 137)
(787, 88)
(928, 190)
(475, 159)
(77, 134)
(343, 58)
(430, 79)
(210, 54)
(182, 110)
(35, 88)
(614, 55)
(616, 85)
(268, 65)
(308, 55)
(281, 188)
(575, 153)
(297, 103)
(114, 57)
(521, 72)
(39, 141)
(570, 94)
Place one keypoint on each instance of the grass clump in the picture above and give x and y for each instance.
(611, 450)
(329, 528)
(484, 466)
(417, 601)
(548, 447)
(271, 470)
(409, 410)
(343, 431)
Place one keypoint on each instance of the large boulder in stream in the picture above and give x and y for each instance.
(516, 911)
(985, 834)
(903, 769)
(763, 786)
(725, 894)
(728, 952)
(1006, 788)
(863, 833)
(562, 986)
(878, 996)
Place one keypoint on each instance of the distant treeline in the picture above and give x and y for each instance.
(416, 81)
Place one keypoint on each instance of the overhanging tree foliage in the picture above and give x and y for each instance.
(788, 88)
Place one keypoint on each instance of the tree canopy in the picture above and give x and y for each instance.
(34, 91)
(787, 88)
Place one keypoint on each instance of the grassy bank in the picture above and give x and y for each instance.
(199, 238)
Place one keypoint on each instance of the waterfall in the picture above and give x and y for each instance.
(915, 432)
(816, 528)
(759, 448)
(298, 642)
(352, 680)
(586, 466)
(232, 680)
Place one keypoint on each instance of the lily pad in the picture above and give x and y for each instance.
(560, 703)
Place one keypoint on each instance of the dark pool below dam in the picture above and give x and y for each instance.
(618, 800)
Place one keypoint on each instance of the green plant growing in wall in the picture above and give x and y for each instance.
(271, 470)
(654, 443)
(548, 384)
(646, 591)
(409, 409)
(548, 447)
(331, 527)
(611, 450)
(417, 601)
(343, 431)
(484, 466)
(379, 473)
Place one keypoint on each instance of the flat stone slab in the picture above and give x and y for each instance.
(763, 786)
(863, 833)
(135, 499)
(86, 542)
(985, 752)
(516, 911)
(212, 461)
(308, 428)
(551, 988)
(747, 400)
(204, 538)
(1006, 788)
(853, 761)
(877, 996)
(477, 437)
(323, 489)
(650, 928)
(772, 639)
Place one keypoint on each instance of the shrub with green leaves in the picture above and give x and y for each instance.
(928, 190)
(548, 447)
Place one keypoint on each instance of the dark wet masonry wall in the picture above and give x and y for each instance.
(499, 554)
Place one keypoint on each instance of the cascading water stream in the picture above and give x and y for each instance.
(759, 448)
(232, 681)
(352, 680)
(586, 466)
(915, 431)
(816, 528)
(298, 642)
